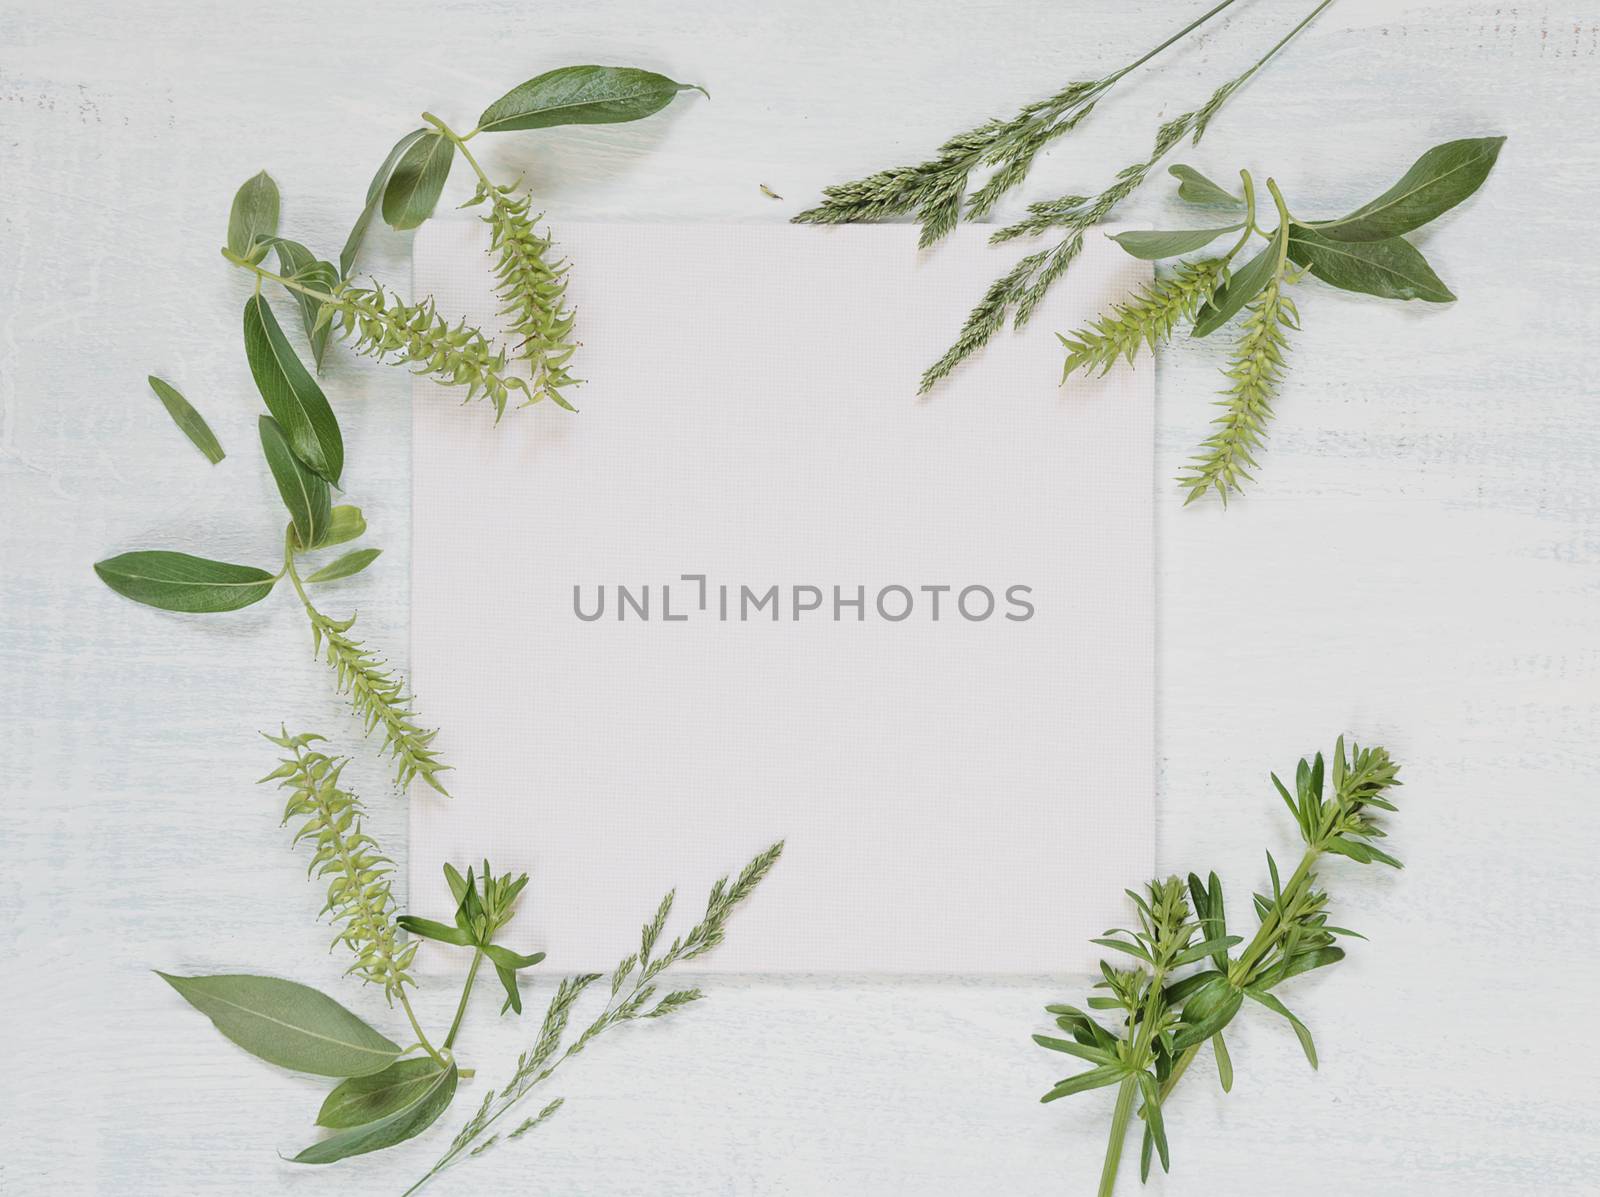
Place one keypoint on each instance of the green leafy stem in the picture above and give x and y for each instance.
(1365, 252)
(1166, 1018)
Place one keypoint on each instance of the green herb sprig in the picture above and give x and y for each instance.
(936, 190)
(1364, 252)
(1185, 985)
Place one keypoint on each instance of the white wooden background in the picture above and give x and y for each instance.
(1420, 566)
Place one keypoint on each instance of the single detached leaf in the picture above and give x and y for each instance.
(582, 95)
(254, 216)
(1242, 286)
(1151, 245)
(1436, 182)
(288, 1024)
(1195, 188)
(364, 1099)
(375, 190)
(346, 525)
(346, 566)
(401, 1124)
(1393, 269)
(179, 582)
(413, 189)
(189, 421)
(304, 494)
(297, 262)
(292, 395)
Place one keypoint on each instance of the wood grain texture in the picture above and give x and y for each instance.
(1420, 566)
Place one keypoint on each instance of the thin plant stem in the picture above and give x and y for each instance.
(1120, 1119)
(466, 992)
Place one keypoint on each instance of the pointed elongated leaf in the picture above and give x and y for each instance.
(506, 958)
(1300, 1030)
(347, 524)
(1242, 286)
(297, 262)
(1095, 1055)
(1392, 269)
(190, 422)
(254, 217)
(1224, 1062)
(1150, 245)
(1195, 188)
(395, 1127)
(1152, 1117)
(180, 582)
(413, 189)
(428, 929)
(288, 1024)
(304, 494)
(375, 190)
(345, 567)
(582, 95)
(1436, 182)
(1300, 962)
(1095, 1078)
(508, 981)
(291, 394)
(365, 1099)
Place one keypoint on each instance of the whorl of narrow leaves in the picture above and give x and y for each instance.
(1147, 319)
(532, 286)
(358, 875)
(385, 327)
(379, 698)
(1256, 369)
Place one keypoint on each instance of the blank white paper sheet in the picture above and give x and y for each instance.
(757, 589)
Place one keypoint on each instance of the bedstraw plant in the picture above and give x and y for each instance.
(1179, 983)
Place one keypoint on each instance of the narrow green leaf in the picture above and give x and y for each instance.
(582, 95)
(1152, 1117)
(418, 178)
(254, 217)
(1224, 1062)
(428, 929)
(1242, 286)
(365, 1099)
(1121, 945)
(508, 980)
(179, 582)
(1436, 182)
(287, 1024)
(1392, 269)
(292, 395)
(1151, 245)
(297, 262)
(347, 566)
(1195, 188)
(396, 1127)
(506, 958)
(304, 494)
(1095, 1055)
(375, 190)
(1300, 962)
(189, 421)
(347, 524)
(456, 882)
(1277, 1007)
(1095, 1078)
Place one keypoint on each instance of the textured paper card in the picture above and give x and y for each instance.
(756, 589)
